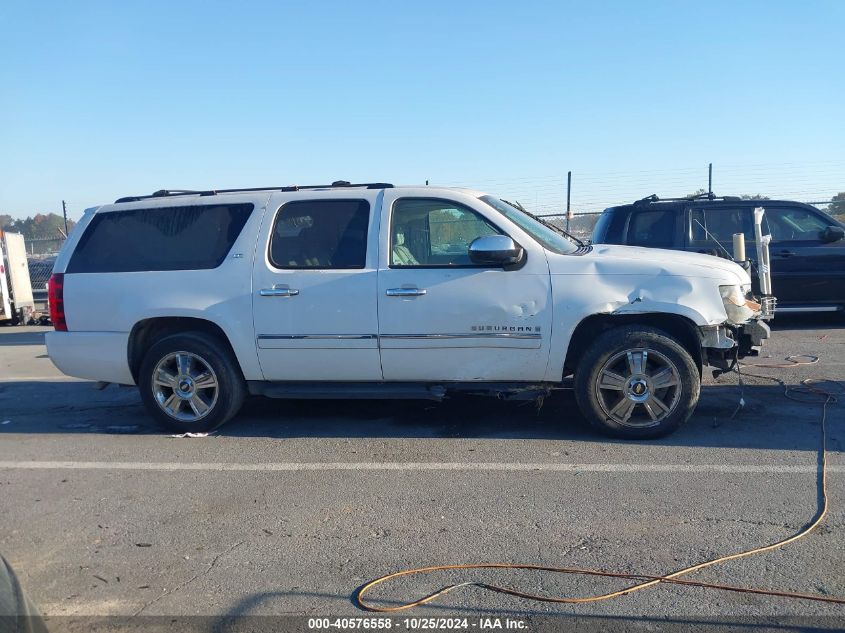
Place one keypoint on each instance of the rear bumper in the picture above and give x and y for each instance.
(91, 355)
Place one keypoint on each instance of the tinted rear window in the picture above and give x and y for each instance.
(161, 238)
(610, 226)
(321, 234)
(721, 223)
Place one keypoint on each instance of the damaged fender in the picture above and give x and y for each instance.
(619, 280)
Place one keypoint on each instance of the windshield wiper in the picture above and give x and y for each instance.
(546, 223)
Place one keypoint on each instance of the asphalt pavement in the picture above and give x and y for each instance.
(295, 504)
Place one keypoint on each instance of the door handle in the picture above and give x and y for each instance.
(278, 291)
(405, 292)
(785, 254)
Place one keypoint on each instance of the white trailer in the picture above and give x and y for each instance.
(15, 287)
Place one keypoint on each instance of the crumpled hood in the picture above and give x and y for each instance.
(636, 260)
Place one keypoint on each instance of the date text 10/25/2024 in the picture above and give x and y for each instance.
(418, 624)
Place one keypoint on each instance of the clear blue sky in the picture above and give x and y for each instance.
(102, 99)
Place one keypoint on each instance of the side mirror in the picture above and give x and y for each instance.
(495, 250)
(832, 234)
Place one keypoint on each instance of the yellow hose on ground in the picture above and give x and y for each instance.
(808, 386)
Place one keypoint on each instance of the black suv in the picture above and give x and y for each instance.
(807, 247)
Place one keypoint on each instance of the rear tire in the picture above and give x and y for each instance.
(191, 383)
(636, 382)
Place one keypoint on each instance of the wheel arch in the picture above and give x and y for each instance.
(682, 329)
(147, 331)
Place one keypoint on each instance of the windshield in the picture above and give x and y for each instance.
(546, 236)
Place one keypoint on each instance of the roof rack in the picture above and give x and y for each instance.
(701, 196)
(166, 193)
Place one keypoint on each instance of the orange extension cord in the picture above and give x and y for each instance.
(809, 387)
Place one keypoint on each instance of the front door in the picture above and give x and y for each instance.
(443, 318)
(805, 269)
(314, 289)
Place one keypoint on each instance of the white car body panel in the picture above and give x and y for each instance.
(343, 327)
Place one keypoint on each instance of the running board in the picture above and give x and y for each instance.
(797, 309)
(397, 390)
(346, 391)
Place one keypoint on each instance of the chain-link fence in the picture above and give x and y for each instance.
(41, 255)
(579, 225)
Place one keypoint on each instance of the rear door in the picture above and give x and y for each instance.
(443, 318)
(314, 287)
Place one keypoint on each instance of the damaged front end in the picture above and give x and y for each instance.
(724, 344)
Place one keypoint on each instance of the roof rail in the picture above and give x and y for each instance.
(700, 196)
(166, 193)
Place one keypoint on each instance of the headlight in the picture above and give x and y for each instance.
(738, 307)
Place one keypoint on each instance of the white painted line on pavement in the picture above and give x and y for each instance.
(454, 466)
(56, 378)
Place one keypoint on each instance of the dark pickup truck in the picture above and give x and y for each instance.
(807, 246)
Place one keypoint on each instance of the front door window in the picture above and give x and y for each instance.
(434, 233)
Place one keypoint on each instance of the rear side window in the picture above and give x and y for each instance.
(196, 237)
(721, 224)
(321, 234)
(654, 228)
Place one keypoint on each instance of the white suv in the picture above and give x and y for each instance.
(375, 291)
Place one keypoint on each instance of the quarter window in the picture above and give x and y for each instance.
(432, 233)
(321, 234)
(160, 238)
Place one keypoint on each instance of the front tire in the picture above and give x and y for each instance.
(191, 383)
(637, 382)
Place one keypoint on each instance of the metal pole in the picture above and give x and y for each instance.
(64, 212)
(568, 192)
(710, 180)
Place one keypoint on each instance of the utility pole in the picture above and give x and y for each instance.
(710, 180)
(64, 213)
(568, 192)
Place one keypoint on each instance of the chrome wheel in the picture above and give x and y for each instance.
(638, 387)
(185, 386)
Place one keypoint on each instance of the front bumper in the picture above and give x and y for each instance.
(723, 344)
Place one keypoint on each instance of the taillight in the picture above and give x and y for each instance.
(56, 296)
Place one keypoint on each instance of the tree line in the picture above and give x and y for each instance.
(41, 226)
